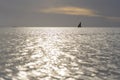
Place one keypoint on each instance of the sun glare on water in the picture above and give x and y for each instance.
(59, 54)
(44, 56)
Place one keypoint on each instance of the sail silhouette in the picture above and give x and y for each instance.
(79, 25)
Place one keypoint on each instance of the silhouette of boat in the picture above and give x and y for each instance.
(79, 25)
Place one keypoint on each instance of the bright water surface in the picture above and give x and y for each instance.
(59, 53)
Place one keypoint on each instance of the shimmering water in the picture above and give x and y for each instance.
(59, 53)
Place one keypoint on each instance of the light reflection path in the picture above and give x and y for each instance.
(53, 54)
(46, 60)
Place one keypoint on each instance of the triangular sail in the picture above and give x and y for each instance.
(79, 25)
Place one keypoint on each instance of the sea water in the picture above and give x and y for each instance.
(59, 53)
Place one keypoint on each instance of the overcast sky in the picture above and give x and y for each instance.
(95, 13)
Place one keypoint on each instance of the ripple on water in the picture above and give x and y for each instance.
(59, 55)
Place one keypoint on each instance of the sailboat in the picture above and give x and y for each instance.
(79, 25)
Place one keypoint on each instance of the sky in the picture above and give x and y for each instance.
(55, 13)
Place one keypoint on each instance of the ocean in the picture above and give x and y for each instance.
(32, 53)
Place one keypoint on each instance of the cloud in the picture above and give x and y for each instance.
(70, 11)
(114, 18)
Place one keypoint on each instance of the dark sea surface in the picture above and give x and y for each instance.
(59, 53)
